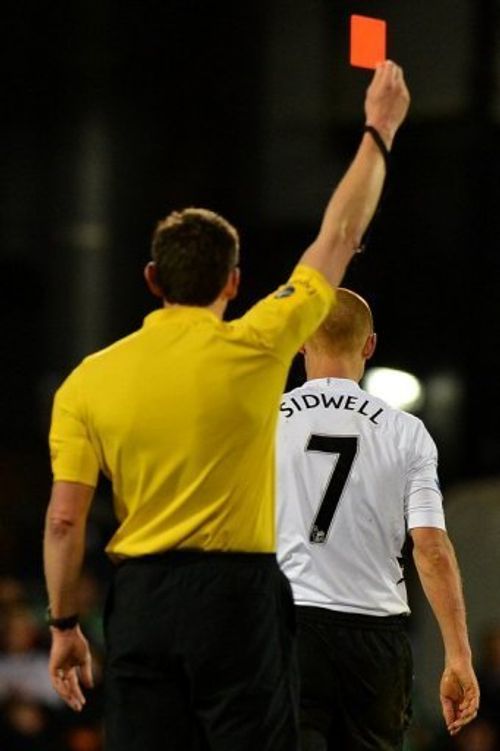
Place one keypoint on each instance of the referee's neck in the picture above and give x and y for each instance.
(218, 307)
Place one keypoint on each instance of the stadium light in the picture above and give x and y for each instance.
(397, 387)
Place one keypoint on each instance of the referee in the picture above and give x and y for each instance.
(181, 417)
(354, 477)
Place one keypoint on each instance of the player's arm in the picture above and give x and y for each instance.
(355, 200)
(440, 577)
(64, 546)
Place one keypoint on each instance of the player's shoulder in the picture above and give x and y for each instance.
(412, 431)
(391, 417)
(402, 419)
(406, 429)
(407, 418)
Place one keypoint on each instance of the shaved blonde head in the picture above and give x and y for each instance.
(346, 328)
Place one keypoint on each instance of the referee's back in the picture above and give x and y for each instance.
(181, 416)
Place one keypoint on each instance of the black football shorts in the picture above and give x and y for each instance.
(356, 677)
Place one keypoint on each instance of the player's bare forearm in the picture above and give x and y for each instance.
(355, 200)
(440, 577)
(64, 544)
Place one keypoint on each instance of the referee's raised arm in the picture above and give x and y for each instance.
(355, 200)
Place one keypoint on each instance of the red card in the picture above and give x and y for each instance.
(368, 41)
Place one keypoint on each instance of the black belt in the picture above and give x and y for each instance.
(192, 556)
(355, 620)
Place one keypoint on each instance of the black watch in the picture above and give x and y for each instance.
(62, 624)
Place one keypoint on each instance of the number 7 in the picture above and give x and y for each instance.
(346, 448)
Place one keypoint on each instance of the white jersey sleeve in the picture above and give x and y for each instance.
(423, 501)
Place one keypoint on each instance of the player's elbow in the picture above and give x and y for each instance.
(432, 557)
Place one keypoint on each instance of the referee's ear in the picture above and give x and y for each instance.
(232, 285)
(151, 277)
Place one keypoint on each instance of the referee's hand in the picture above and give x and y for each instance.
(70, 666)
(459, 692)
(387, 100)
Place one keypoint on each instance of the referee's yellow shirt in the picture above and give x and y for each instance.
(181, 416)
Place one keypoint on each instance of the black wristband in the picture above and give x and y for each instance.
(62, 624)
(380, 143)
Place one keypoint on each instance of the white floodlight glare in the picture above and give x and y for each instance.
(396, 387)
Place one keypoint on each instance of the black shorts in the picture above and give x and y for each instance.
(201, 655)
(356, 678)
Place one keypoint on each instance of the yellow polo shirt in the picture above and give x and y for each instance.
(181, 416)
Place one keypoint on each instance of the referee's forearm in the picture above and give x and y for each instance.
(348, 214)
(64, 544)
(63, 552)
(353, 204)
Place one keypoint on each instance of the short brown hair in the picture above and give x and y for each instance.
(346, 327)
(194, 250)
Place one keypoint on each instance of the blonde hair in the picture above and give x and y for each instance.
(346, 328)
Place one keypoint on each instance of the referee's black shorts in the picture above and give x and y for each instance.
(356, 677)
(201, 655)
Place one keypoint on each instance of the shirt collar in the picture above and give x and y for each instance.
(342, 384)
(179, 312)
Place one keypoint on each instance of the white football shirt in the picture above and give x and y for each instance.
(353, 475)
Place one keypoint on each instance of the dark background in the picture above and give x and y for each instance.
(116, 113)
